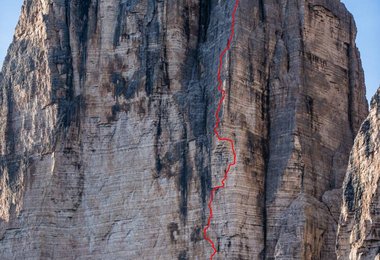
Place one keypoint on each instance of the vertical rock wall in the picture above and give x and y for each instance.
(107, 109)
(316, 104)
(359, 225)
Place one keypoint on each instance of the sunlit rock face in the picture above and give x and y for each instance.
(359, 225)
(107, 148)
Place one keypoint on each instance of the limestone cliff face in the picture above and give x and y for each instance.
(106, 116)
(359, 225)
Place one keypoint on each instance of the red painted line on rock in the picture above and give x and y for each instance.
(223, 139)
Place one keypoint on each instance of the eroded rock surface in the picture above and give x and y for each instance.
(359, 226)
(106, 117)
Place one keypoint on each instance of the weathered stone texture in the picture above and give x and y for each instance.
(312, 125)
(107, 110)
(359, 225)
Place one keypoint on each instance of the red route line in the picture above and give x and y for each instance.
(224, 139)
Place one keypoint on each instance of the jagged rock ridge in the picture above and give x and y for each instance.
(106, 116)
(359, 225)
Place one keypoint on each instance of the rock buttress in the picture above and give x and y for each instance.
(359, 225)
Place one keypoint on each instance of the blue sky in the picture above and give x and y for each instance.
(365, 12)
(9, 13)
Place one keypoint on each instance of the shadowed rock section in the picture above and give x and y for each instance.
(359, 225)
(106, 129)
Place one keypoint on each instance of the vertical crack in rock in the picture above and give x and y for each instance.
(82, 9)
(261, 11)
(120, 24)
(7, 163)
(63, 89)
(156, 143)
(184, 178)
(204, 19)
(152, 37)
